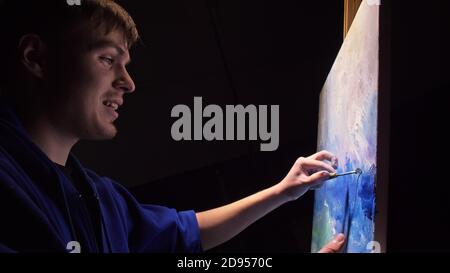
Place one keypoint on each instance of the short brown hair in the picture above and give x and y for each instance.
(108, 15)
(52, 20)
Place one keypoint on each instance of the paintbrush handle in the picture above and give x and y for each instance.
(334, 175)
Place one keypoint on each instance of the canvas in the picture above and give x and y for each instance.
(348, 128)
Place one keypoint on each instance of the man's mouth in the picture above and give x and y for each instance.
(111, 104)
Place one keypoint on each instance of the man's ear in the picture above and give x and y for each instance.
(33, 54)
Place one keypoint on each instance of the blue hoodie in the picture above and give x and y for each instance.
(42, 211)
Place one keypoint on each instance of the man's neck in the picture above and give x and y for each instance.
(53, 142)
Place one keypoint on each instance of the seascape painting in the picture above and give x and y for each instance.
(348, 128)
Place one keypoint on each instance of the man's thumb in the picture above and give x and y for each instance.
(319, 177)
(334, 246)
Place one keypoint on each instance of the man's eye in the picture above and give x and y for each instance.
(107, 60)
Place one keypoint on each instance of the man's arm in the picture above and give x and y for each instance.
(221, 224)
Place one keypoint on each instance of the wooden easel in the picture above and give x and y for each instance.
(350, 10)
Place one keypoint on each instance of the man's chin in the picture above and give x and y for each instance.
(109, 135)
(105, 134)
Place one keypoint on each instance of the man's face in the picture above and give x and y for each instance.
(91, 82)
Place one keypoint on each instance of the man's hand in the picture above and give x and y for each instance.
(334, 246)
(308, 173)
(221, 224)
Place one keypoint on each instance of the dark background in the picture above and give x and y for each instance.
(268, 52)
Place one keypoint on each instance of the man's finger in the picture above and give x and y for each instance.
(318, 179)
(334, 246)
(326, 155)
(312, 164)
(323, 155)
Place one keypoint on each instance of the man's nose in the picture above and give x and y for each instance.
(124, 82)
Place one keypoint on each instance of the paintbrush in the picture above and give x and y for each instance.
(335, 175)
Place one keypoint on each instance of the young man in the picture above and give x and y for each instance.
(63, 79)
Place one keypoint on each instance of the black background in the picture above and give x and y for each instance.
(276, 52)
